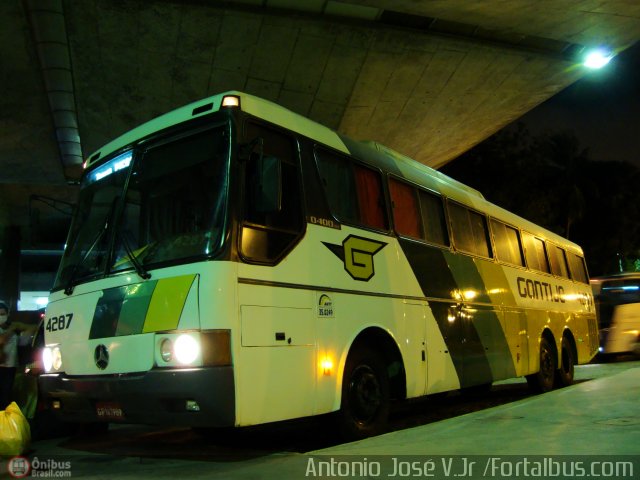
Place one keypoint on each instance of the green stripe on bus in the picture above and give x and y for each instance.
(107, 313)
(475, 339)
(135, 305)
(167, 303)
(478, 276)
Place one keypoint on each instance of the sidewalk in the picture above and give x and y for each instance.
(597, 417)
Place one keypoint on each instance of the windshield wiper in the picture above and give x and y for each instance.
(140, 270)
(105, 227)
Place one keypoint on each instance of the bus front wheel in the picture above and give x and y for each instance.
(364, 410)
(544, 379)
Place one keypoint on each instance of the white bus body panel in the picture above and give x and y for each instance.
(624, 332)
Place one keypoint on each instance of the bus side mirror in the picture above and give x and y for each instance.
(268, 187)
(264, 177)
(251, 149)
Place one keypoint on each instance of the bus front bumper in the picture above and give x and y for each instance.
(203, 397)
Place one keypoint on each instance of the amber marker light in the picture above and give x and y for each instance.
(326, 365)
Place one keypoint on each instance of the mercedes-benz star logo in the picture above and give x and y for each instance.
(101, 357)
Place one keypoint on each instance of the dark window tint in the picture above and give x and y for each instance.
(469, 230)
(507, 243)
(535, 252)
(273, 217)
(578, 268)
(354, 192)
(433, 218)
(558, 261)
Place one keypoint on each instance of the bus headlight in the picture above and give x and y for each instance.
(203, 348)
(47, 359)
(166, 350)
(56, 358)
(186, 349)
(51, 358)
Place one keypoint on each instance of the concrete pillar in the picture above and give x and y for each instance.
(10, 266)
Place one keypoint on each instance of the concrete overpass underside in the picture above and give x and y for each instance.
(428, 78)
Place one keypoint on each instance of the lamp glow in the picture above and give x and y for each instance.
(597, 58)
(186, 349)
(230, 101)
(327, 366)
(47, 359)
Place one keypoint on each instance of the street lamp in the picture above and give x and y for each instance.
(597, 57)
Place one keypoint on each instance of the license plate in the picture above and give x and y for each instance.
(109, 411)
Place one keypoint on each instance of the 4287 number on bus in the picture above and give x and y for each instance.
(61, 322)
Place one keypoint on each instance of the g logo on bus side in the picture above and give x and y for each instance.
(357, 254)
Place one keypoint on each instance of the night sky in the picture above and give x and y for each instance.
(602, 109)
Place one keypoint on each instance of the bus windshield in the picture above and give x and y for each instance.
(162, 204)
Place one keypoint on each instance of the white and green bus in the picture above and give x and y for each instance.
(233, 263)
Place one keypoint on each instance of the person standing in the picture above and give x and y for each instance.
(8, 352)
(9, 339)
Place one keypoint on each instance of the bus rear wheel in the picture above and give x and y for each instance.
(365, 396)
(564, 375)
(544, 379)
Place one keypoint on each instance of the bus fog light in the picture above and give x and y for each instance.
(47, 359)
(186, 349)
(56, 355)
(166, 350)
(192, 406)
(56, 405)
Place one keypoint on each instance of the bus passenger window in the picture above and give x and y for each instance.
(578, 268)
(558, 262)
(405, 209)
(507, 242)
(469, 229)
(370, 198)
(337, 180)
(535, 253)
(354, 192)
(269, 231)
(433, 219)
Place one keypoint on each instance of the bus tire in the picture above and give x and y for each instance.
(365, 406)
(564, 375)
(543, 381)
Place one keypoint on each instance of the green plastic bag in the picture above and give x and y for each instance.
(25, 393)
(15, 433)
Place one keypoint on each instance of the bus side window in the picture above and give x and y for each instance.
(507, 242)
(405, 209)
(469, 230)
(354, 192)
(558, 261)
(269, 231)
(535, 253)
(433, 218)
(578, 268)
